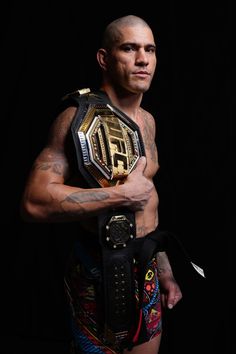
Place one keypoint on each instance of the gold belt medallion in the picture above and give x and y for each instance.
(109, 142)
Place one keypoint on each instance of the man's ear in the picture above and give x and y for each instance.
(102, 58)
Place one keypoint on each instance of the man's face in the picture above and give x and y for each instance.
(131, 63)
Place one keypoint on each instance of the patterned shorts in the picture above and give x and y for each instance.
(86, 308)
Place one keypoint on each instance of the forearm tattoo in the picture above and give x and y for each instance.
(86, 197)
(163, 263)
(160, 270)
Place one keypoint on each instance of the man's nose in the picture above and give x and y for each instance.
(141, 57)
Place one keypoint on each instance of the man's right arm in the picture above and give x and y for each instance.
(47, 197)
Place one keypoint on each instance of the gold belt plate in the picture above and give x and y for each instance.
(110, 144)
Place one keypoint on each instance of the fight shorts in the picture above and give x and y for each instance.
(83, 289)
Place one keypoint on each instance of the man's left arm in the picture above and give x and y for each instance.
(170, 291)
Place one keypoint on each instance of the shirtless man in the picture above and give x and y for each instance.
(127, 59)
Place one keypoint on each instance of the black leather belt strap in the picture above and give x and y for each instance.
(117, 233)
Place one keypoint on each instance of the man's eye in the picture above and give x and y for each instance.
(151, 50)
(128, 49)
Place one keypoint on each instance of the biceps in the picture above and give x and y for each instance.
(51, 165)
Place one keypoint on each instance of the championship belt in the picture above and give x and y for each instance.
(108, 146)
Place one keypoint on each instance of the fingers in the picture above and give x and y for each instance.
(141, 165)
(172, 301)
(171, 298)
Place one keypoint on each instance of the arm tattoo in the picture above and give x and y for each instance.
(85, 197)
(57, 168)
(43, 166)
(163, 263)
(149, 140)
(160, 270)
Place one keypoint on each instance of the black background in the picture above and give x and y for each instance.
(49, 49)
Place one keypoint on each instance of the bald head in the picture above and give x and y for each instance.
(112, 33)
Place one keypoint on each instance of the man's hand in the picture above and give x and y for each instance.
(137, 187)
(170, 291)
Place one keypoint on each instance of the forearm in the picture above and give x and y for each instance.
(164, 267)
(57, 203)
(48, 199)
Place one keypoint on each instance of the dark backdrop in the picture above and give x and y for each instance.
(49, 49)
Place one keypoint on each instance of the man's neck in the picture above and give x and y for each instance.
(128, 103)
